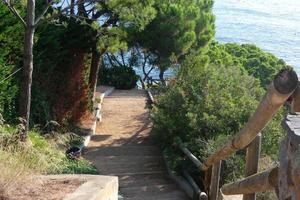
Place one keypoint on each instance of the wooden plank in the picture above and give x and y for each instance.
(215, 180)
(279, 91)
(260, 182)
(252, 159)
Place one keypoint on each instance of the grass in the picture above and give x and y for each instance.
(39, 155)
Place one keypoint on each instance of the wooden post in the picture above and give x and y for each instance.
(279, 91)
(289, 169)
(252, 159)
(215, 179)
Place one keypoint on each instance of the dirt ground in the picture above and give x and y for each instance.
(43, 190)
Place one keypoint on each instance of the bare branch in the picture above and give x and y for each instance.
(122, 57)
(116, 60)
(14, 11)
(37, 21)
(69, 7)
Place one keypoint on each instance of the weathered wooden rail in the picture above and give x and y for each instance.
(285, 178)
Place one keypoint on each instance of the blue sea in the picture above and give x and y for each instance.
(273, 25)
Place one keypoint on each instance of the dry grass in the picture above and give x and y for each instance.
(21, 161)
(14, 170)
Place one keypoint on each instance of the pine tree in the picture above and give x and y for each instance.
(180, 26)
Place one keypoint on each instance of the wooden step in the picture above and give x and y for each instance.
(174, 195)
(123, 151)
(138, 173)
(152, 191)
(113, 160)
(144, 180)
(129, 167)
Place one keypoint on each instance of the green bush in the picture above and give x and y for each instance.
(256, 62)
(207, 105)
(11, 47)
(119, 77)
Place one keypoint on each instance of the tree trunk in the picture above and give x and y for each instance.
(27, 67)
(143, 83)
(161, 76)
(96, 55)
(72, 7)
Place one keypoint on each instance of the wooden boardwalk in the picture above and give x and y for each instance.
(123, 146)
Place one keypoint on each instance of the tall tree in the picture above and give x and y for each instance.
(112, 21)
(30, 23)
(179, 27)
(92, 28)
(125, 17)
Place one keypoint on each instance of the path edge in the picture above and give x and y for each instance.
(97, 116)
(94, 187)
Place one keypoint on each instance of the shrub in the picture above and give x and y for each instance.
(206, 106)
(118, 76)
(258, 63)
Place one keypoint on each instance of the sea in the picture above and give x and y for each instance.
(272, 25)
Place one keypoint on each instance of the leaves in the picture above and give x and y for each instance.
(177, 29)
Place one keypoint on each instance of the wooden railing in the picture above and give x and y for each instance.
(285, 178)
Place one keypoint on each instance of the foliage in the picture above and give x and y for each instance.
(178, 27)
(10, 59)
(121, 77)
(208, 104)
(256, 62)
(64, 49)
(61, 60)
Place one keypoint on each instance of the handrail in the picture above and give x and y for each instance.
(279, 91)
(256, 183)
(284, 85)
(191, 156)
(200, 194)
(284, 178)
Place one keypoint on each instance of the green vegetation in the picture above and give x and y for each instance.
(10, 58)
(178, 28)
(215, 90)
(256, 62)
(208, 103)
(119, 77)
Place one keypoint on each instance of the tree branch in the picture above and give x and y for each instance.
(109, 59)
(116, 60)
(14, 11)
(122, 57)
(37, 21)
